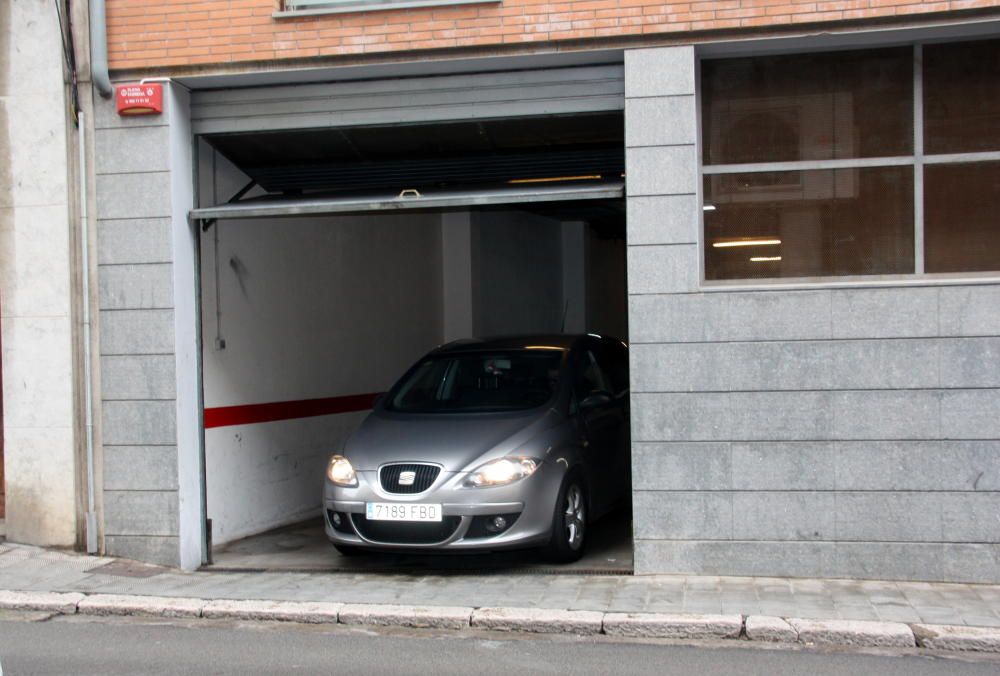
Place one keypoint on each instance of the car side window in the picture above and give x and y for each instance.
(590, 378)
(613, 360)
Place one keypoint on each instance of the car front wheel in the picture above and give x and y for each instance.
(569, 523)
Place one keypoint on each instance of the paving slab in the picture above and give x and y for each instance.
(46, 581)
(282, 611)
(950, 637)
(538, 620)
(54, 602)
(658, 625)
(853, 633)
(423, 617)
(771, 629)
(157, 606)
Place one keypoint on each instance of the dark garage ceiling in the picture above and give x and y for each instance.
(459, 154)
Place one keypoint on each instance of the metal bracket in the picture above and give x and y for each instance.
(207, 223)
(243, 191)
(409, 192)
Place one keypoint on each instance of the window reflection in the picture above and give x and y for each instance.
(962, 217)
(808, 107)
(809, 223)
(962, 97)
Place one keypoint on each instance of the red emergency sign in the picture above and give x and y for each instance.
(139, 99)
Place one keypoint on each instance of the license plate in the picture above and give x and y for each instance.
(394, 511)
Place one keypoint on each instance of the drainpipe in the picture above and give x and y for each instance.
(99, 49)
(88, 407)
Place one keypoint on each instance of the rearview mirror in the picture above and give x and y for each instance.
(595, 400)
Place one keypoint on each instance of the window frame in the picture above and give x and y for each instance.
(918, 160)
(316, 7)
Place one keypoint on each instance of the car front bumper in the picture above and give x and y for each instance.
(527, 505)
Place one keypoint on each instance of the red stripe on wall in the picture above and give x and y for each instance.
(224, 416)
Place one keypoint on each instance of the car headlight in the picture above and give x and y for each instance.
(340, 471)
(502, 471)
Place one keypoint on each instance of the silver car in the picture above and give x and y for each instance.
(486, 445)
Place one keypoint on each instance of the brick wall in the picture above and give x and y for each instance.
(149, 33)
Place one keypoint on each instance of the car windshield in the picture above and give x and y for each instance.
(478, 382)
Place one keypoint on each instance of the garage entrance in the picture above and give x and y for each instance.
(333, 258)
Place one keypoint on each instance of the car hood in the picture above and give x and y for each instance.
(452, 440)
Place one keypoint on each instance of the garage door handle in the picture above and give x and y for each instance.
(409, 192)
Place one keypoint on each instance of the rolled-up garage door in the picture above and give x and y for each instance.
(553, 91)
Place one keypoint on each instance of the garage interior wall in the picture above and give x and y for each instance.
(302, 308)
(309, 308)
(814, 432)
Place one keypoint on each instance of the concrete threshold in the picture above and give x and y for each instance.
(774, 630)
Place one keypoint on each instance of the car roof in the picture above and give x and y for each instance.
(562, 341)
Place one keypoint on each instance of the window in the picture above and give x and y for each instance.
(962, 97)
(590, 378)
(852, 163)
(478, 382)
(612, 357)
(961, 216)
(342, 6)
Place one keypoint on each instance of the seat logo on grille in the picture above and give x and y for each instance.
(407, 478)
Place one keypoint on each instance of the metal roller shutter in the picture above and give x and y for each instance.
(553, 91)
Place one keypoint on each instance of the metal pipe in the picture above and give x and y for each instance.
(88, 406)
(99, 49)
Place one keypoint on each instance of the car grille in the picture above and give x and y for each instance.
(409, 533)
(424, 476)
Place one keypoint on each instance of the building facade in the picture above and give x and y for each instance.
(787, 209)
(39, 299)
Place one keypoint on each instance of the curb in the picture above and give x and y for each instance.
(756, 628)
(420, 617)
(51, 602)
(948, 637)
(853, 633)
(154, 606)
(769, 629)
(655, 625)
(538, 620)
(281, 611)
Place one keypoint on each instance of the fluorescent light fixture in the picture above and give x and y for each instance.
(708, 207)
(555, 179)
(745, 242)
(764, 259)
(544, 347)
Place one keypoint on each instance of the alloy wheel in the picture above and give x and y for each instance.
(574, 517)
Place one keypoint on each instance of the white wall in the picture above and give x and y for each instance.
(574, 276)
(518, 274)
(310, 308)
(456, 275)
(36, 280)
(607, 311)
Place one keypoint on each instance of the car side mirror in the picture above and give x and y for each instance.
(595, 400)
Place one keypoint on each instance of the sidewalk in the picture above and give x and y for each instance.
(31, 569)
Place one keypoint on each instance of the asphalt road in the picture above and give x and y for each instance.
(76, 645)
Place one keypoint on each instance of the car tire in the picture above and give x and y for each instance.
(346, 550)
(569, 522)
